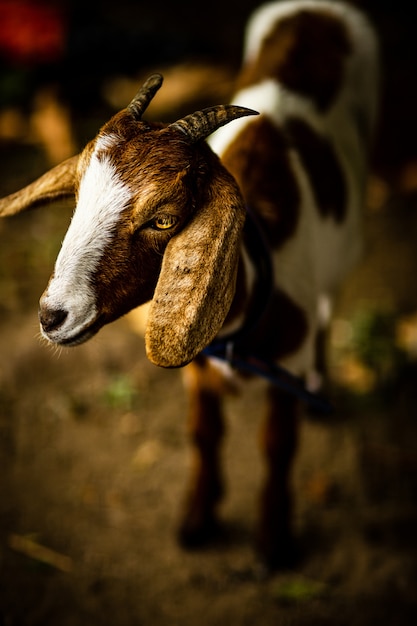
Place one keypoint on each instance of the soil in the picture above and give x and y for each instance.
(94, 459)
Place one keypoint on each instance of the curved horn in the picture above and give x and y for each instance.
(201, 124)
(145, 94)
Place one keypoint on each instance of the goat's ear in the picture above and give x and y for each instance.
(198, 277)
(56, 184)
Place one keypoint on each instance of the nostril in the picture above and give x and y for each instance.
(51, 319)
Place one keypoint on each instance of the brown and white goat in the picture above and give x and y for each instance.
(159, 217)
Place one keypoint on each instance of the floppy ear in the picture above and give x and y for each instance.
(198, 277)
(56, 184)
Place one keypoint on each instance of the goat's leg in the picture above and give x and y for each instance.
(206, 431)
(278, 442)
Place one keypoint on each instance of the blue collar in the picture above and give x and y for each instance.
(232, 347)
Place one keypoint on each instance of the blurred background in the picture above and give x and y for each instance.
(93, 450)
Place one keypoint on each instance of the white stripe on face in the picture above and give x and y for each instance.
(102, 198)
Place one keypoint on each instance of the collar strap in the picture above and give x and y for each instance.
(278, 376)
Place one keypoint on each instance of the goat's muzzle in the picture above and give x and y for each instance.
(68, 327)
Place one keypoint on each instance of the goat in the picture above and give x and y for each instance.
(160, 217)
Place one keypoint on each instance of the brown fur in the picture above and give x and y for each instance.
(206, 430)
(305, 52)
(258, 159)
(282, 331)
(323, 168)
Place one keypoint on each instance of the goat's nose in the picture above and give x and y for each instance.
(51, 319)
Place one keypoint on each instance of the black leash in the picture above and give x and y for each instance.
(231, 348)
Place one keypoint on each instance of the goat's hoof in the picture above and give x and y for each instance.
(193, 536)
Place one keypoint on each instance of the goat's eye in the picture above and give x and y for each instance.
(164, 222)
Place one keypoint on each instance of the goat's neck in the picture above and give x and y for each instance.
(253, 283)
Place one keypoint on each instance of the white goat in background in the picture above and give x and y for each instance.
(159, 216)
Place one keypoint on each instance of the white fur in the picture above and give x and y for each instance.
(101, 201)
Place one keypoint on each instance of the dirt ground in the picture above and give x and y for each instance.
(94, 457)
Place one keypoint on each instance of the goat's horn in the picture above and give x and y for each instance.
(201, 124)
(145, 94)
